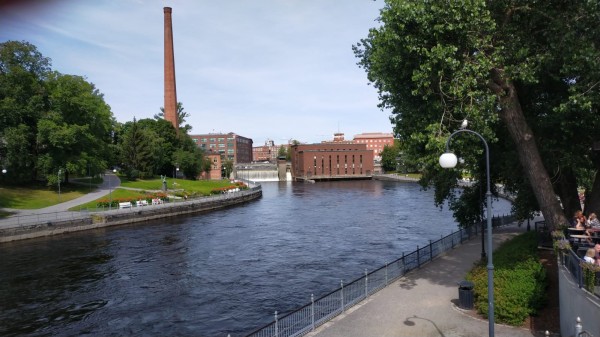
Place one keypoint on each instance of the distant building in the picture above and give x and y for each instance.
(216, 167)
(267, 152)
(375, 141)
(229, 145)
(338, 137)
(329, 161)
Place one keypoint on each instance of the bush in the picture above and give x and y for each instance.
(520, 281)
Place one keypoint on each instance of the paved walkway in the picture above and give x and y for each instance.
(424, 302)
(111, 181)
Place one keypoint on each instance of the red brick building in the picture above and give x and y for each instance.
(229, 145)
(267, 152)
(216, 167)
(326, 161)
(375, 141)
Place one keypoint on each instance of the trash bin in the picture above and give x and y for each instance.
(465, 294)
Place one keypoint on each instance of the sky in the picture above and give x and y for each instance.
(263, 69)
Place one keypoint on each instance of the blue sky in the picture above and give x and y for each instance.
(264, 69)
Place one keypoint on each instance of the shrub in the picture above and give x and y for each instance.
(519, 281)
(589, 275)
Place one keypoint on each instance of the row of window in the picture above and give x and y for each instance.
(374, 141)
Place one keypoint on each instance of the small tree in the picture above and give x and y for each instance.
(388, 157)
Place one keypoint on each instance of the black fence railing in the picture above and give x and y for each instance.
(305, 319)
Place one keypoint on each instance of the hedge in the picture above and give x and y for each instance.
(520, 281)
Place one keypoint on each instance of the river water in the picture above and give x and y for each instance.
(218, 273)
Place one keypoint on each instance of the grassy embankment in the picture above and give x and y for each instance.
(40, 196)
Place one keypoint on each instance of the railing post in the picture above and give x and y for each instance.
(430, 251)
(403, 265)
(276, 325)
(366, 284)
(386, 274)
(579, 275)
(312, 311)
(342, 294)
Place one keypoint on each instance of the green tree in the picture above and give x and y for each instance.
(282, 152)
(389, 156)
(191, 162)
(166, 143)
(181, 117)
(23, 100)
(505, 68)
(137, 155)
(75, 133)
(228, 165)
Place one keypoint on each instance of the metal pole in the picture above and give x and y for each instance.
(488, 194)
(482, 231)
(109, 193)
(59, 172)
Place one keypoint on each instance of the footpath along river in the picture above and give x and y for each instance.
(218, 273)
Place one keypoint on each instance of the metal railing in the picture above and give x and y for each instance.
(573, 263)
(312, 315)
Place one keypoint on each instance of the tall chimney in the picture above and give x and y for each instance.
(170, 89)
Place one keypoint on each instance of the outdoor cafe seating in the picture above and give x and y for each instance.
(581, 241)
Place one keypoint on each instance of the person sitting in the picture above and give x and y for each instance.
(593, 221)
(579, 221)
(589, 256)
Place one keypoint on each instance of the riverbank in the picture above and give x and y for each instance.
(394, 177)
(46, 224)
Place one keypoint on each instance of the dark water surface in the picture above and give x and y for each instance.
(216, 273)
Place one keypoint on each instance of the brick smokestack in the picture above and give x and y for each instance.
(170, 88)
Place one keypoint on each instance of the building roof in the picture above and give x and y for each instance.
(374, 135)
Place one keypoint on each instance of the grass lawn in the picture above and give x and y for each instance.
(38, 196)
(188, 187)
(191, 187)
(116, 194)
(410, 175)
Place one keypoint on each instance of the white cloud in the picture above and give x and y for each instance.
(263, 69)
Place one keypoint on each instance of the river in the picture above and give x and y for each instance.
(217, 273)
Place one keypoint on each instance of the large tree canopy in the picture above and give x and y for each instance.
(48, 121)
(526, 76)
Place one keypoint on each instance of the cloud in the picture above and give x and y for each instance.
(263, 69)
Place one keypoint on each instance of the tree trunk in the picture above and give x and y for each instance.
(567, 190)
(592, 202)
(512, 116)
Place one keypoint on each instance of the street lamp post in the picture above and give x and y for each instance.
(449, 160)
(110, 190)
(59, 173)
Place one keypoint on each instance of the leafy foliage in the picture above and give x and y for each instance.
(520, 281)
(436, 63)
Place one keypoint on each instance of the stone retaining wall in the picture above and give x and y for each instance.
(127, 216)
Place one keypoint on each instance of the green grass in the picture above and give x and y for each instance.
(38, 196)
(115, 195)
(410, 175)
(188, 187)
(191, 187)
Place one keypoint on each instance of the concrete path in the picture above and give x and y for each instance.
(111, 181)
(424, 302)
(61, 211)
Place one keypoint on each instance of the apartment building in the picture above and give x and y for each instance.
(375, 141)
(230, 146)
